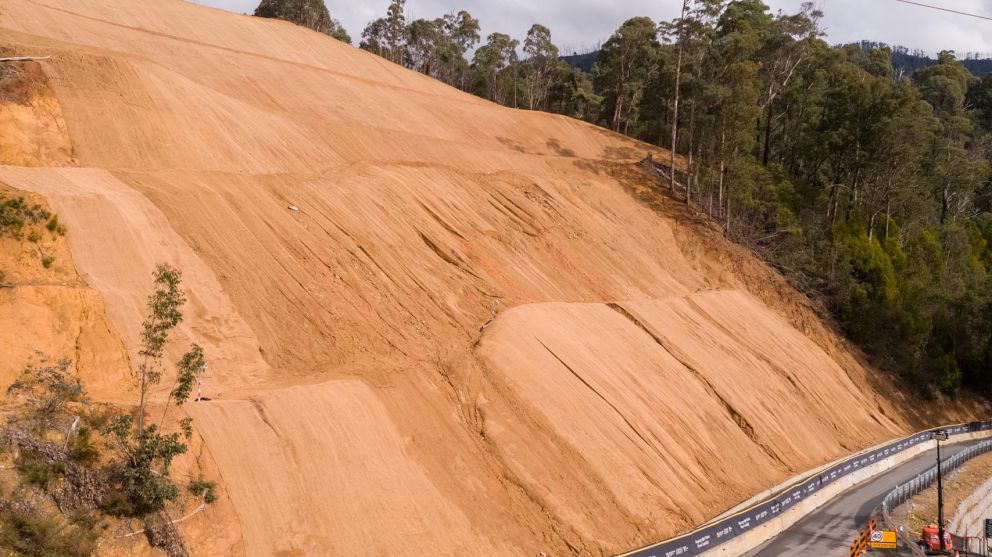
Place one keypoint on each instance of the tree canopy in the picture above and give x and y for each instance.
(308, 13)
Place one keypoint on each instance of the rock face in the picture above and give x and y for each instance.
(32, 131)
(434, 326)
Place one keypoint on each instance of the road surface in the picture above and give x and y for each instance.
(830, 530)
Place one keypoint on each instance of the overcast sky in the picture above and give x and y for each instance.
(581, 24)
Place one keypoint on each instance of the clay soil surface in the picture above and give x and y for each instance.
(434, 326)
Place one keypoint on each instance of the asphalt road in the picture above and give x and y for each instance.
(829, 531)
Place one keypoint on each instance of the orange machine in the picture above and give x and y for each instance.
(930, 539)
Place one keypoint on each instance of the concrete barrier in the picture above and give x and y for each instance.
(768, 514)
(754, 538)
(798, 479)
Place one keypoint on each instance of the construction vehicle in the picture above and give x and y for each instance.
(930, 541)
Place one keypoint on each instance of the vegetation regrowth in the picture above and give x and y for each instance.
(80, 464)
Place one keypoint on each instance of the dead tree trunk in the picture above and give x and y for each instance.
(768, 135)
(24, 58)
(688, 170)
(723, 170)
(888, 214)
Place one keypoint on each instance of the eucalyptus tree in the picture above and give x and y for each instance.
(308, 13)
(692, 35)
(425, 46)
(787, 46)
(396, 31)
(540, 65)
(490, 63)
(460, 32)
(387, 36)
(626, 62)
(374, 38)
(954, 165)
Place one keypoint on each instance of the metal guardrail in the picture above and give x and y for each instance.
(922, 481)
(712, 535)
(904, 491)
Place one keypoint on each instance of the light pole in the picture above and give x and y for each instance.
(940, 435)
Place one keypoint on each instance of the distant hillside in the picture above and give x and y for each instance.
(907, 61)
(904, 60)
(582, 61)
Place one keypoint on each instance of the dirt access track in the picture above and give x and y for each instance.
(435, 326)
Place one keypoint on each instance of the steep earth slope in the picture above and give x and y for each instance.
(434, 325)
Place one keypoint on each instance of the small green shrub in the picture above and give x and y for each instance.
(34, 236)
(47, 260)
(15, 213)
(116, 503)
(85, 519)
(81, 447)
(29, 532)
(37, 472)
(99, 416)
(54, 226)
(141, 485)
(205, 489)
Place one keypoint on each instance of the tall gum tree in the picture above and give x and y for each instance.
(542, 57)
(626, 61)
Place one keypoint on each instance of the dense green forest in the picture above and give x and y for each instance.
(904, 60)
(867, 186)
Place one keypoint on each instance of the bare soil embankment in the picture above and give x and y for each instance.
(434, 325)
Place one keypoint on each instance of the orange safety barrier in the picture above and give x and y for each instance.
(860, 545)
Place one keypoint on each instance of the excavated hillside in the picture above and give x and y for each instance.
(434, 326)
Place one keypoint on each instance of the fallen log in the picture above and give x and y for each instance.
(24, 58)
(661, 170)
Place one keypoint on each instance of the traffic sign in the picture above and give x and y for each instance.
(883, 539)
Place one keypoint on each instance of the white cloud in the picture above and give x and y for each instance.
(903, 24)
(584, 23)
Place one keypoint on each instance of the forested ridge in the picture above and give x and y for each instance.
(868, 187)
(904, 60)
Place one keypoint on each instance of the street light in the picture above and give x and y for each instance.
(940, 435)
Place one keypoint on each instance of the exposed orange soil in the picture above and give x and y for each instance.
(51, 310)
(32, 131)
(49, 313)
(435, 326)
